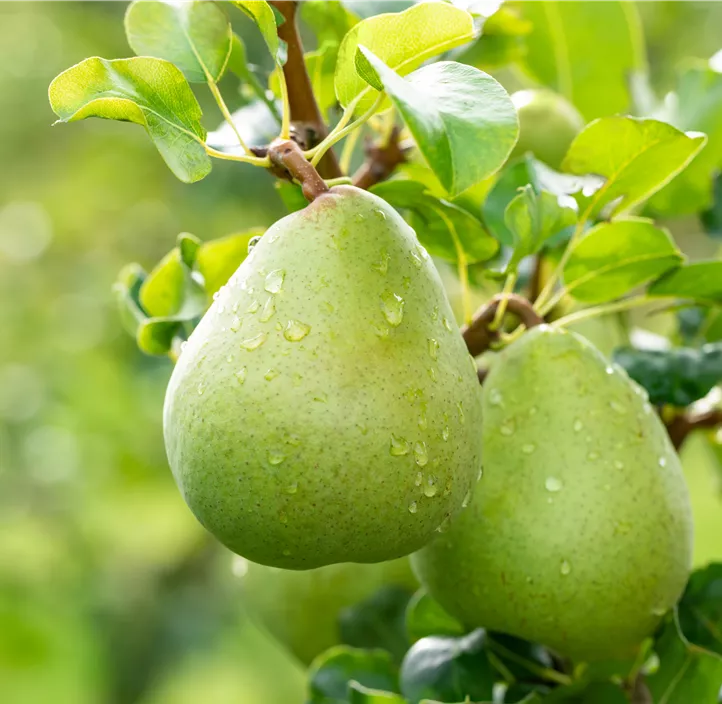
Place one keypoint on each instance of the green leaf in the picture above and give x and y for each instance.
(262, 14)
(329, 19)
(377, 622)
(697, 105)
(712, 218)
(428, 29)
(636, 157)
(127, 295)
(426, 617)
(188, 246)
(615, 257)
(686, 672)
(332, 671)
(448, 669)
(150, 92)
(463, 121)
(168, 286)
(532, 219)
(678, 376)
(195, 36)
(445, 229)
(157, 336)
(587, 693)
(217, 260)
(291, 195)
(700, 610)
(699, 281)
(585, 51)
(358, 694)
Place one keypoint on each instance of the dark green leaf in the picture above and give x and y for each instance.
(699, 281)
(262, 14)
(615, 257)
(150, 92)
(588, 693)
(188, 246)
(636, 157)
(686, 673)
(426, 617)
(194, 35)
(463, 121)
(332, 671)
(448, 669)
(127, 295)
(678, 376)
(712, 218)
(217, 260)
(700, 610)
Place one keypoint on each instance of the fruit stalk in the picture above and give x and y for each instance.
(287, 156)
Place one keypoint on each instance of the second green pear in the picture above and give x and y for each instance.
(325, 408)
(579, 535)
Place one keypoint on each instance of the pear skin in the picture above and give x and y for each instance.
(326, 409)
(579, 535)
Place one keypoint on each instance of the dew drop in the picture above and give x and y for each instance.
(578, 425)
(618, 464)
(321, 398)
(467, 499)
(253, 343)
(274, 281)
(593, 456)
(184, 344)
(296, 330)
(617, 407)
(423, 422)
(271, 374)
(662, 461)
(609, 369)
(432, 374)
(565, 568)
(234, 307)
(241, 375)
(253, 242)
(413, 507)
(292, 488)
(435, 313)
(416, 260)
(406, 282)
(235, 324)
(462, 416)
(283, 517)
(659, 611)
(296, 379)
(419, 479)
(495, 397)
(430, 488)
(433, 349)
(447, 324)
(422, 252)
(399, 446)
(359, 217)
(216, 295)
(444, 525)
(528, 448)
(269, 310)
(480, 474)
(382, 265)
(380, 214)
(253, 307)
(553, 484)
(507, 428)
(201, 389)
(392, 306)
(275, 457)
(445, 433)
(420, 454)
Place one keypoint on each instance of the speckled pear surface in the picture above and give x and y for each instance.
(579, 535)
(326, 409)
(301, 609)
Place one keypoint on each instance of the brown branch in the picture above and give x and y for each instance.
(479, 337)
(307, 124)
(680, 426)
(381, 160)
(287, 159)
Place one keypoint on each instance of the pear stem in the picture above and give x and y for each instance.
(287, 156)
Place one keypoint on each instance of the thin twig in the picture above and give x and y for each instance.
(681, 425)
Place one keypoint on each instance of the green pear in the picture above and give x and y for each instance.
(579, 535)
(548, 123)
(301, 609)
(325, 408)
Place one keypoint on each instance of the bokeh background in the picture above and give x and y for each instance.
(110, 592)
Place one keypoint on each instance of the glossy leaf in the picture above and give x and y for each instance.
(445, 229)
(448, 669)
(700, 610)
(150, 92)
(156, 336)
(615, 257)
(330, 20)
(686, 673)
(678, 376)
(534, 218)
(163, 291)
(428, 29)
(127, 295)
(195, 35)
(426, 617)
(332, 671)
(585, 51)
(262, 14)
(699, 281)
(218, 259)
(358, 694)
(463, 121)
(635, 157)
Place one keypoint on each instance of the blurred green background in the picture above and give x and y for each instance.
(110, 592)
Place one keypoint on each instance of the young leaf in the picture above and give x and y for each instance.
(463, 121)
(169, 286)
(699, 281)
(332, 671)
(700, 611)
(217, 260)
(330, 20)
(532, 219)
(686, 673)
(428, 29)
(358, 694)
(565, 52)
(127, 295)
(426, 617)
(445, 229)
(262, 14)
(195, 35)
(636, 157)
(615, 257)
(448, 669)
(678, 376)
(150, 92)
(157, 336)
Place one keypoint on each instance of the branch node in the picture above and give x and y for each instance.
(287, 158)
